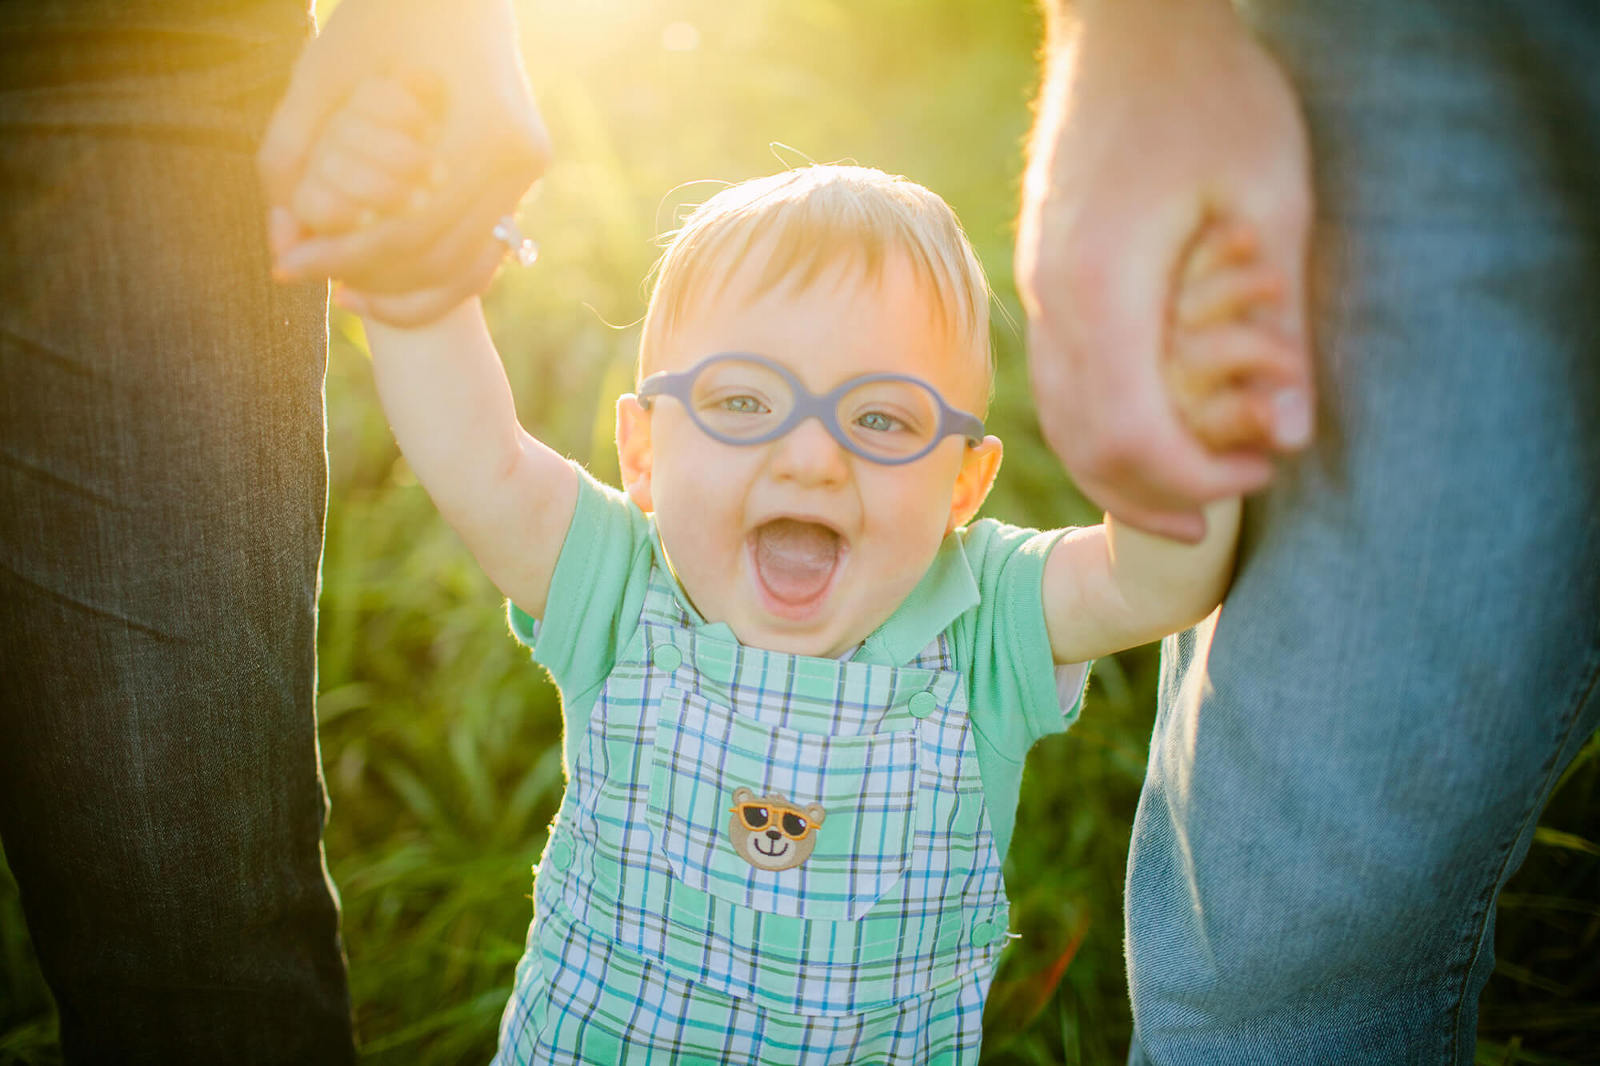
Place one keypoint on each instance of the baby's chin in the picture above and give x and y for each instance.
(816, 647)
(823, 638)
(833, 630)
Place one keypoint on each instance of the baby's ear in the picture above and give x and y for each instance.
(979, 466)
(634, 451)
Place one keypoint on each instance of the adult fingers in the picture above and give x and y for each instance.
(1119, 437)
(1094, 347)
(418, 250)
(390, 148)
(1188, 526)
(1172, 475)
(322, 207)
(283, 230)
(371, 185)
(1182, 523)
(317, 87)
(406, 104)
(343, 189)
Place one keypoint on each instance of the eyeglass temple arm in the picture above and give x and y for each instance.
(664, 383)
(969, 426)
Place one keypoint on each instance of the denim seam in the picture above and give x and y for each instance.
(1584, 694)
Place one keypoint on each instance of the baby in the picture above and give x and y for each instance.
(798, 679)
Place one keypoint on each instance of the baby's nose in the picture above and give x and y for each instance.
(808, 452)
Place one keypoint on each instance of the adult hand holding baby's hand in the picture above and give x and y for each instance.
(1156, 118)
(486, 145)
(1224, 361)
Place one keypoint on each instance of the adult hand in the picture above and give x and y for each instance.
(1157, 116)
(413, 265)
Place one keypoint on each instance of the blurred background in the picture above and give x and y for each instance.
(440, 740)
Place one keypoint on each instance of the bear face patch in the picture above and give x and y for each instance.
(769, 832)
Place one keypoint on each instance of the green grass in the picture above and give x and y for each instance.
(440, 740)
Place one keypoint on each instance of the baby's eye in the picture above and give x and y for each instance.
(744, 405)
(879, 422)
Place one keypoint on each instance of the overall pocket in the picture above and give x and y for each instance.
(854, 798)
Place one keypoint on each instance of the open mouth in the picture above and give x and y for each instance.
(795, 562)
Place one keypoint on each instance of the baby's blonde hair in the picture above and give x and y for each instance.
(816, 216)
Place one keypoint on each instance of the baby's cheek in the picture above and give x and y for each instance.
(919, 521)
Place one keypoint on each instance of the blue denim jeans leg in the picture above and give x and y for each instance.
(162, 490)
(1347, 766)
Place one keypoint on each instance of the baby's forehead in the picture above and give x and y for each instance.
(757, 285)
(792, 327)
(797, 260)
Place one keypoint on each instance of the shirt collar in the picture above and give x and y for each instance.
(948, 589)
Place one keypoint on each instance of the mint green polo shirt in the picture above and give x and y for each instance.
(985, 589)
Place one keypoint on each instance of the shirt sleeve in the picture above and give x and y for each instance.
(1017, 693)
(596, 592)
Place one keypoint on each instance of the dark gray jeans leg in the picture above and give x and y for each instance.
(162, 492)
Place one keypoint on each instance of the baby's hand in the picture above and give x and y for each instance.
(372, 159)
(1226, 364)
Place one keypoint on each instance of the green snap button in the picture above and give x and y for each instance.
(666, 658)
(560, 855)
(988, 931)
(921, 705)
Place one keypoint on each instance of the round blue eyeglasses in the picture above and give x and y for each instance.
(742, 398)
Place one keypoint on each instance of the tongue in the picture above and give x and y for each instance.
(795, 559)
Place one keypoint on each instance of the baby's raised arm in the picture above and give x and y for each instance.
(443, 389)
(508, 495)
(1112, 586)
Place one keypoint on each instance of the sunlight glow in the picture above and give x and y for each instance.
(680, 37)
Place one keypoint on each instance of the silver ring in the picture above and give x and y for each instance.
(523, 248)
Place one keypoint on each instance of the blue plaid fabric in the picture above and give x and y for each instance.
(655, 941)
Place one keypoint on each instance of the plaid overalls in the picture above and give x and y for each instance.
(655, 941)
